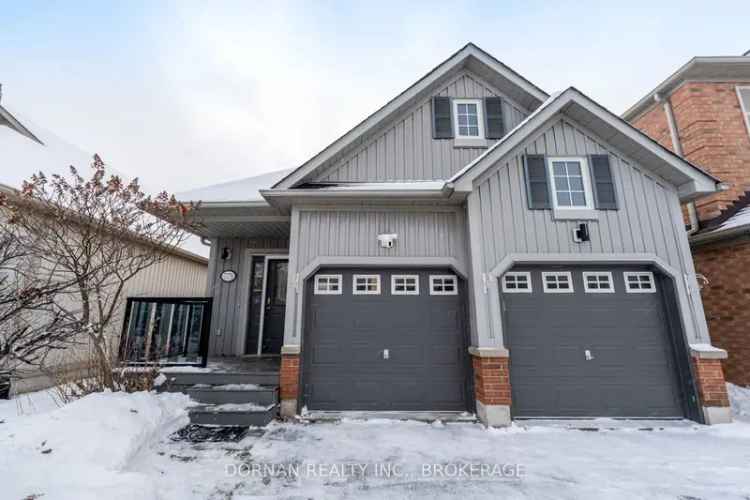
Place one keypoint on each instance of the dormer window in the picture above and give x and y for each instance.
(467, 116)
(570, 182)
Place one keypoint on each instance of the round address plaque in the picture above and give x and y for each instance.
(228, 276)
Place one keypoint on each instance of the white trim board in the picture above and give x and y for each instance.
(450, 65)
(242, 338)
(690, 328)
(694, 180)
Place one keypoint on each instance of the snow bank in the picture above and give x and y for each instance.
(739, 397)
(80, 450)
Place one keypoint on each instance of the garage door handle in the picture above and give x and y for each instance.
(386, 354)
(589, 357)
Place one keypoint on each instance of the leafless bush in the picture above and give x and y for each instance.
(99, 233)
(81, 372)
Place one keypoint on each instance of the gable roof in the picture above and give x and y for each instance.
(471, 57)
(725, 68)
(691, 180)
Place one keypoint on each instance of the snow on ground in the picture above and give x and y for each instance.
(82, 450)
(101, 448)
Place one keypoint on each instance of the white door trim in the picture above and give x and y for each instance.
(261, 321)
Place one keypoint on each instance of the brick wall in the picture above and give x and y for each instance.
(289, 377)
(710, 380)
(491, 380)
(725, 300)
(713, 135)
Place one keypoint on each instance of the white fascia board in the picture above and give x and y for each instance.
(453, 62)
(462, 180)
(354, 193)
(677, 78)
(700, 181)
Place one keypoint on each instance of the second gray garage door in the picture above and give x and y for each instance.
(397, 346)
(592, 342)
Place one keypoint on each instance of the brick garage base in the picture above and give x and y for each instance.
(712, 390)
(726, 300)
(289, 384)
(492, 388)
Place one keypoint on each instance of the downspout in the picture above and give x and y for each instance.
(677, 148)
(205, 241)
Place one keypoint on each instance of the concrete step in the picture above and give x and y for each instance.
(181, 380)
(232, 415)
(263, 395)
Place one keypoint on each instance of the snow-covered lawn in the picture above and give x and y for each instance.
(117, 446)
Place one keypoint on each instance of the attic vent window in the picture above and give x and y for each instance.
(468, 118)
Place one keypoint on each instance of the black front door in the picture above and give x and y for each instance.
(275, 307)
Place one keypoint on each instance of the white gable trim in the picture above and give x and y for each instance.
(445, 68)
(698, 181)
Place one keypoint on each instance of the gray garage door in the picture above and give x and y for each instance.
(373, 349)
(601, 350)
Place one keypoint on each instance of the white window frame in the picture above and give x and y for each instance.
(745, 112)
(585, 175)
(586, 288)
(366, 277)
(650, 275)
(320, 277)
(517, 290)
(394, 277)
(444, 277)
(480, 118)
(557, 273)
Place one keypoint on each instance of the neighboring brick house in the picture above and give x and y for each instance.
(702, 112)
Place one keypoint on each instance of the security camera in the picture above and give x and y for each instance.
(387, 240)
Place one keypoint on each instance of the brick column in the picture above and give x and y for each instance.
(289, 384)
(712, 389)
(491, 385)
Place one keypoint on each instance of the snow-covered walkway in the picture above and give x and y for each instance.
(365, 460)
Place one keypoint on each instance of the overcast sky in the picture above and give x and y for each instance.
(188, 94)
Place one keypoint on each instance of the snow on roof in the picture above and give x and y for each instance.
(741, 218)
(241, 190)
(22, 157)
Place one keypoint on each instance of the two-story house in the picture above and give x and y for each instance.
(475, 245)
(702, 112)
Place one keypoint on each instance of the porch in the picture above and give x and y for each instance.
(232, 391)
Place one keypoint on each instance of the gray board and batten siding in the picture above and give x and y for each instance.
(647, 222)
(231, 300)
(432, 236)
(405, 150)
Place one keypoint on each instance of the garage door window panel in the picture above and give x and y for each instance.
(557, 282)
(443, 284)
(517, 282)
(328, 284)
(598, 282)
(639, 282)
(366, 284)
(404, 284)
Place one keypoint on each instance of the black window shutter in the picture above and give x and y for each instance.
(537, 182)
(603, 183)
(442, 120)
(493, 118)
